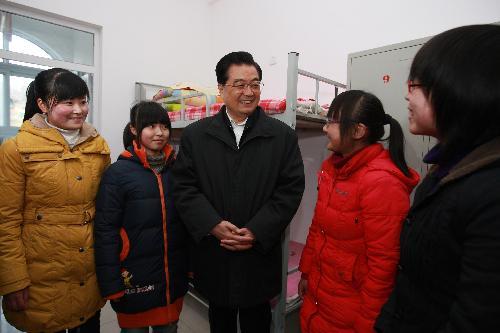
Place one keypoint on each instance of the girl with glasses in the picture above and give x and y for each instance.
(449, 278)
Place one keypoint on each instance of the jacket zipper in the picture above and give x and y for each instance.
(164, 225)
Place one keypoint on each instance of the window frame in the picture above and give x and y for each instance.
(95, 69)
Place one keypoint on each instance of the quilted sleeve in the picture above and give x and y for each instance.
(13, 270)
(107, 237)
(384, 203)
(308, 256)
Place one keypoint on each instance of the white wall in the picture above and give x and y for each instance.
(148, 41)
(167, 41)
(325, 31)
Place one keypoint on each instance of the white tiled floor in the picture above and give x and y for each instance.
(194, 319)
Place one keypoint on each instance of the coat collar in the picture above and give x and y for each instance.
(258, 125)
(479, 158)
(136, 154)
(36, 125)
(484, 155)
(358, 160)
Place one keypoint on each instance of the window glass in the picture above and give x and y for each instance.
(58, 42)
(2, 101)
(18, 87)
(30, 45)
(15, 79)
(19, 44)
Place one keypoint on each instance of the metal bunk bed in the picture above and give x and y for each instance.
(295, 119)
(292, 117)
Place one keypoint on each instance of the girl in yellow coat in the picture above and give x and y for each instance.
(49, 175)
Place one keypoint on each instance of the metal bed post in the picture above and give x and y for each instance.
(139, 92)
(208, 106)
(183, 109)
(292, 77)
(279, 313)
(289, 117)
(316, 100)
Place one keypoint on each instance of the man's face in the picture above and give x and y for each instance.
(241, 93)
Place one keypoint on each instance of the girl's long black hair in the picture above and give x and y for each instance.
(51, 86)
(357, 106)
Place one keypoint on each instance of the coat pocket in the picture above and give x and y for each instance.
(345, 268)
(42, 171)
(340, 266)
(39, 250)
(96, 162)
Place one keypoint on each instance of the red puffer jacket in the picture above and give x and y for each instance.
(352, 250)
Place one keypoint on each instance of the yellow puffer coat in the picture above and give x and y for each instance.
(47, 193)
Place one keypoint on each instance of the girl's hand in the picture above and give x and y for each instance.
(302, 287)
(17, 301)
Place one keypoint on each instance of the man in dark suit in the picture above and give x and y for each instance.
(238, 181)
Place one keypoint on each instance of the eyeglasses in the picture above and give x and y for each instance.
(412, 85)
(255, 86)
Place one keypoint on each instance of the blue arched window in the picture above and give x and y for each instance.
(31, 43)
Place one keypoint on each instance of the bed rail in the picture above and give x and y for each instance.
(293, 113)
(291, 116)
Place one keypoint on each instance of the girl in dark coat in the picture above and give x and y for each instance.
(449, 270)
(141, 254)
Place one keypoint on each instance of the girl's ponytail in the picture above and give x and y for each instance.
(396, 144)
(128, 136)
(31, 107)
(366, 108)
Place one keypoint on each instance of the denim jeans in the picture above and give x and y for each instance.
(172, 328)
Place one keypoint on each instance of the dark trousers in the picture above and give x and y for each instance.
(93, 325)
(255, 319)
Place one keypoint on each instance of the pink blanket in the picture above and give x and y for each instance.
(270, 106)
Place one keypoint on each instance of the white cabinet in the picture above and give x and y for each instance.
(384, 72)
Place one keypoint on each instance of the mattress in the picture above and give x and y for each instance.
(270, 106)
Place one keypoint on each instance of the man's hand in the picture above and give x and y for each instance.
(232, 238)
(241, 239)
(224, 230)
(17, 301)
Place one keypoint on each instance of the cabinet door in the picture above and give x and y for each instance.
(385, 73)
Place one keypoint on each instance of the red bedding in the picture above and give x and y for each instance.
(270, 106)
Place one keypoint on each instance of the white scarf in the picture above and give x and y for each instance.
(71, 136)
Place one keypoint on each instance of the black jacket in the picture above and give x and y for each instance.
(449, 278)
(134, 226)
(258, 186)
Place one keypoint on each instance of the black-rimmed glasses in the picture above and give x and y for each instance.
(412, 85)
(255, 86)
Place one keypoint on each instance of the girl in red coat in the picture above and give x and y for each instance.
(350, 259)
